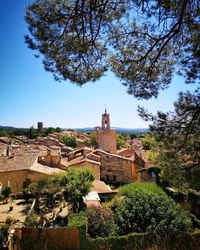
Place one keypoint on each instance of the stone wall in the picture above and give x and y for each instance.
(116, 169)
(106, 140)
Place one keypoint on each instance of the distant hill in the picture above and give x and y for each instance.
(87, 129)
(118, 129)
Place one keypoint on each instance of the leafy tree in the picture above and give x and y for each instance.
(45, 187)
(148, 141)
(121, 141)
(58, 130)
(100, 222)
(3, 133)
(177, 135)
(92, 141)
(143, 207)
(32, 132)
(69, 141)
(142, 42)
(77, 184)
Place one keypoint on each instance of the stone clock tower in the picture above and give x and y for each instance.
(106, 137)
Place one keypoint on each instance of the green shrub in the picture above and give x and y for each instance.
(69, 141)
(144, 207)
(6, 191)
(100, 222)
(77, 219)
(138, 241)
(32, 220)
(128, 242)
(9, 220)
(4, 236)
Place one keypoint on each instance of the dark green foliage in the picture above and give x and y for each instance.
(32, 132)
(177, 137)
(32, 220)
(6, 191)
(135, 241)
(26, 194)
(69, 141)
(4, 236)
(146, 208)
(129, 242)
(11, 131)
(142, 42)
(100, 222)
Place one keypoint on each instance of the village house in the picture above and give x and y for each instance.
(19, 170)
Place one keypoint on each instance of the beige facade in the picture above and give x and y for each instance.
(17, 179)
(14, 178)
(52, 158)
(92, 165)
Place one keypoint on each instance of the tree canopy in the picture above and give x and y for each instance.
(69, 141)
(143, 42)
(77, 183)
(144, 207)
(177, 136)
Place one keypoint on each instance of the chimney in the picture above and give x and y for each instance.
(8, 151)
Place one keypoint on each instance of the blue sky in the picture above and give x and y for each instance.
(29, 94)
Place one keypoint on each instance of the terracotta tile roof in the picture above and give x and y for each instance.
(37, 167)
(78, 160)
(97, 151)
(19, 162)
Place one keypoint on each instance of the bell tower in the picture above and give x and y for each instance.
(105, 120)
(106, 136)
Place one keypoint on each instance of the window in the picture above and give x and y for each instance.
(114, 178)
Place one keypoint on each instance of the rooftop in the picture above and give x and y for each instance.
(19, 162)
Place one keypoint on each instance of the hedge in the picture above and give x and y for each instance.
(136, 241)
(79, 220)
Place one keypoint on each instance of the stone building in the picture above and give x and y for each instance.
(39, 126)
(111, 168)
(106, 137)
(116, 168)
(20, 170)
